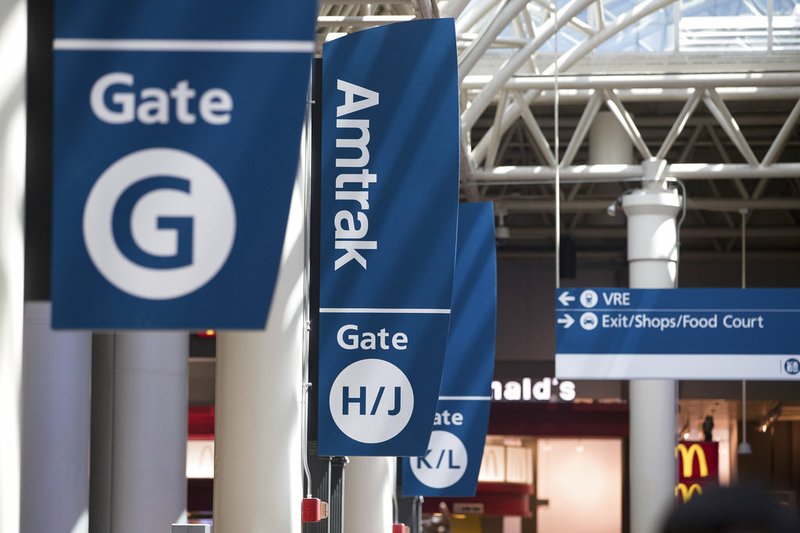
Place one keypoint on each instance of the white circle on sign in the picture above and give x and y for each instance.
(206, 206)
(588, 298)
(589, 321)
(444, 463)
(371, 401)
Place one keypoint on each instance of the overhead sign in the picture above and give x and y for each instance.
(723, 334)
(389, 206)
(176, 143)
(452, 460)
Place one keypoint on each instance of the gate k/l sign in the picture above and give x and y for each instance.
(452, 460)
(721, 334)
(177, 134)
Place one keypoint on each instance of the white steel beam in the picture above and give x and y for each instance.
(725, 119)
(680, 123)
(789, 232)
(779, 143)
(360, 22)
(362, 2)
(474, 11)
(494, 142)
(722, 205)
(563, 63)
(502, 18)
(617, 173)
(546, 31)
(643, 81)
(535, 130)
(452, 8)
(626, 121)
(582, 128)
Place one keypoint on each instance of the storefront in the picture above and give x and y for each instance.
(556, 456)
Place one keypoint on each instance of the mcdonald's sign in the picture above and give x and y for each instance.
(698, 468)
(685, 493)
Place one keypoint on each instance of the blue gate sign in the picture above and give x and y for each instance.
(720, 334)
(389, 207)
(176, 142)
(452, 460)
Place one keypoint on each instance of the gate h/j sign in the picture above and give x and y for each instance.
(388, 236)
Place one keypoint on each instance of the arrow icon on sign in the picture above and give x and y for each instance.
(565, 299)
(566, 320)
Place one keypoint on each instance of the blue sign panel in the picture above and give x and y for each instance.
(388, 237)
(678, 333)
(176, 142)
(452, 459)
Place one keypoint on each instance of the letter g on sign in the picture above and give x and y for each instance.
(159, 223)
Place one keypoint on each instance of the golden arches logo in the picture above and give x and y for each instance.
(687, 459)
(687, 492)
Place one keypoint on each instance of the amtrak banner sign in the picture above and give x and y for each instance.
(388, 234)
(452, 460)
(176, 143)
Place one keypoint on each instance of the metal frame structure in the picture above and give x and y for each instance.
(717, 98)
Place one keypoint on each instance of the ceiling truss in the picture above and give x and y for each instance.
(726, 124)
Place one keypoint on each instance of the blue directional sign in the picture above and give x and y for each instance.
(452, 460)
(176, 143)
(388, 234)
(723, 334)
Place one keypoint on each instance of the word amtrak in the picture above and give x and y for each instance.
(350, 227)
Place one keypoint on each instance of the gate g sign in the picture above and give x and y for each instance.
(177, 132)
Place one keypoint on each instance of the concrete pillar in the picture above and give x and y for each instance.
(368, 492)
(258, 472)
(653, 261)
(139, 418)
(56, 390)
(13, 51)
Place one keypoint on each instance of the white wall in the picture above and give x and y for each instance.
(582, 480)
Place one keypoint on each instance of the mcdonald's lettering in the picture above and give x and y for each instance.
(687, 455)
(686, 493)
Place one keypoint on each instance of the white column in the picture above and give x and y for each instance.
(368, 490)
(56, 390)
(13, 53)
(653, 261)
(608, 142)
(150, 406)
(258, 469)
(652, 256)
